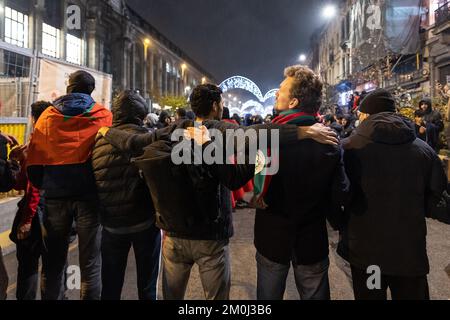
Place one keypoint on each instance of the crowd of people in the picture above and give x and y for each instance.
(107, 176)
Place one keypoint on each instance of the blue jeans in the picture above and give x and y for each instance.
(212, 258)
(312, 280)
(115, 250)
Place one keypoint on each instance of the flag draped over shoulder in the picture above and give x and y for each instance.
(64, 140)
(262, 178)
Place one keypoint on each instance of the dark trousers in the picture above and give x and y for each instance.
(312, 280)
(115, 250)
(28, 253)
(402, 288)
(3, 278)
(59, 216)
(27, 272)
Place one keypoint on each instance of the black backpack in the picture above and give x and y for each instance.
(186, 196)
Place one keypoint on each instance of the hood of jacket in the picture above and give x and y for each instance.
(74, 104)
(129, 108)
(428, 102)
(387, 128)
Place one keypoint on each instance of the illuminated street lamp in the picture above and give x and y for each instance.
(203, 80)
(329, 11)
(147, 43)
(302, 58)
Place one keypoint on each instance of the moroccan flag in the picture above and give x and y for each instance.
(62, 140)
(262, 178)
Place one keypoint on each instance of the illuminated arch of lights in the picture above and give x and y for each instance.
(254, 107)
(243, 83)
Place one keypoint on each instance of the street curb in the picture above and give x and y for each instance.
(8, 209)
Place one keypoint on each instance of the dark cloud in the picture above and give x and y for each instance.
(252, 38)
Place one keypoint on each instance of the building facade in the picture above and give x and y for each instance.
(353, 51)
(42, 41)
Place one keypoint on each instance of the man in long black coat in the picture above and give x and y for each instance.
(397, 181)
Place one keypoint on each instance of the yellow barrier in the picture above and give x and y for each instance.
(19, 131)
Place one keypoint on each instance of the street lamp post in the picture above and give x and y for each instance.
(183, 75)
(147, 43)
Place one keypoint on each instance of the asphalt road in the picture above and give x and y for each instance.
(244, 267)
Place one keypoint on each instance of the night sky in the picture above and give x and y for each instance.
(252, 38)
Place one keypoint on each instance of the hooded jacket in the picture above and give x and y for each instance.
(61, 146)
(397, 180)
(123, 194)
(433, 123)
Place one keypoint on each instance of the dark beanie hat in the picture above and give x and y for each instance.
(378, 101)
(81, 82)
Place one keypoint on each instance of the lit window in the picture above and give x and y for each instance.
(168, 68)
(50, 41)
(16, 28)
(74, 49)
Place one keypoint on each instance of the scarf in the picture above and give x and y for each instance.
(262, 178)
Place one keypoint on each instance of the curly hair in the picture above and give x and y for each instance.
(203, 97)
(38, 108)
(307, 88)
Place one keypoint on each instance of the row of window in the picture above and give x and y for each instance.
(16, 33)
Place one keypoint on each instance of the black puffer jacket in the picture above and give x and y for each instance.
(396, 180)
(123, 194)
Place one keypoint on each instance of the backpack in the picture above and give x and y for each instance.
(186, 197)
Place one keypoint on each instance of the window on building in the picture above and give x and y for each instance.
(168, 67)
(16, 28)
(106, 58)
(53, 14)
(14, 65)
(51, 39)
(74, 49)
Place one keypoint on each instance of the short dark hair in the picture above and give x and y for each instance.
(203, 98)
(329, 118)
(181, 112)
(163, 116)
(226, 113)
(419, 113)
(81, 82)
(38, 108)
(307, 88)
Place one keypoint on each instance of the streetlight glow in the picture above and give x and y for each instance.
(147, 41)
(302, 58)
(329, 11)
